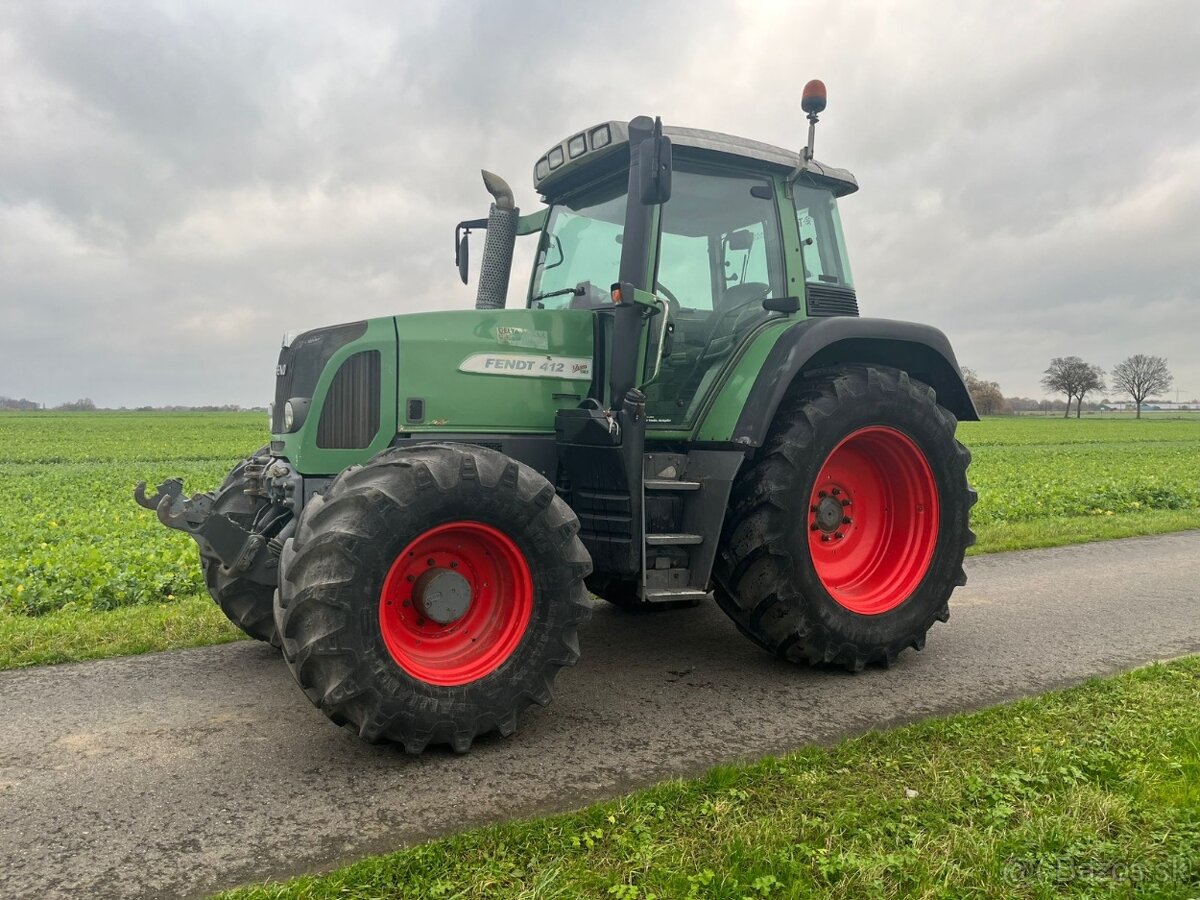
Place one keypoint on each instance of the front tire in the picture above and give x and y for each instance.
(432, 595)
(846, 537)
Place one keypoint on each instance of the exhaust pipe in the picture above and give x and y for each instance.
(498, 248)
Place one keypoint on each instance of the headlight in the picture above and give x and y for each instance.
(295, 411)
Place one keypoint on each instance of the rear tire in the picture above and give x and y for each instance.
(248, 604)
(857, 584)
(371, 650)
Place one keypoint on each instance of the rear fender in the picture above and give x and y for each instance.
(920, 350)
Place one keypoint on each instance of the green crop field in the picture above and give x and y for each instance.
(85, 572)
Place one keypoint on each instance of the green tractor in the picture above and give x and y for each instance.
(686, 405)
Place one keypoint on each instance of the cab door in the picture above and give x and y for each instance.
(719, 256)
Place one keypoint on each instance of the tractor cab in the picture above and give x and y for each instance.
(738, 238)
(748, 233)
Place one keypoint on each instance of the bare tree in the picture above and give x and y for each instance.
(1070, 375)
(1089, 381)
(988, 399)
(1141, 376)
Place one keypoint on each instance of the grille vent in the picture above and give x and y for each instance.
(350, 415)
(303, 361)
(825, 300)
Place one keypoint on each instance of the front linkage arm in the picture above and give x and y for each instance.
(240, 550)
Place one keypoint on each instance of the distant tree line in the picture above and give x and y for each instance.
(1139, 376)
(85, 404)
(22, 404)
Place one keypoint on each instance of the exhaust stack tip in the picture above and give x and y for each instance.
(499, 189)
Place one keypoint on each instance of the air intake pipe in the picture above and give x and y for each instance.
(498, 248)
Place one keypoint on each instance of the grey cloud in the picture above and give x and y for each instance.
(176, 172)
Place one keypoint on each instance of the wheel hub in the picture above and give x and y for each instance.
(455, 603)
(442, 595)
(829, 514)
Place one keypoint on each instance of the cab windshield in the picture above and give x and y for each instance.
(580, 248)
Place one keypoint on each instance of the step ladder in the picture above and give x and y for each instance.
(684, 496)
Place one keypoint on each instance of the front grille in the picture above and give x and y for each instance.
(302, 361)
(825, 300)
(350, 415)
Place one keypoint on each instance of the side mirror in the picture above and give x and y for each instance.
(462, 255)
(461, 250)
(654, 167)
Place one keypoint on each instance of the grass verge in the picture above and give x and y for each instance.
(72, 635)
(195, 621)
(1059, 531)
(1092, 791)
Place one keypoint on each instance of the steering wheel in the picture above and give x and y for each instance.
(659, 287)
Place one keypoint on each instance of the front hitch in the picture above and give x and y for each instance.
(239, 549)
(172, 509)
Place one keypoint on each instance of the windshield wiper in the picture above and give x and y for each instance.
(578, 291)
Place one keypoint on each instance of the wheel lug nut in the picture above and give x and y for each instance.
(845, 503)
(824, 539)
(429, 562)
(839, 535)
(813, 508)
(836, 491)
(822, 494)
(814, 527)
(846, 520)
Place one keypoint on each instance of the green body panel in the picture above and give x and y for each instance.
(301, 446)
(523, 366)
(793, 256)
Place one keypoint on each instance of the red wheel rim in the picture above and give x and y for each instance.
(873, 520)
(467, 556)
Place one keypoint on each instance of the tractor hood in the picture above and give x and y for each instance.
(504, 370)
(345, 392)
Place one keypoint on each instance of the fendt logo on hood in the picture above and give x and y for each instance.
(574, 368)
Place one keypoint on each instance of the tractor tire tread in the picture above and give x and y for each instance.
(331, 569)
(756, 571)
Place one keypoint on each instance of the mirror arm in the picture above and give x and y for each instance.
(461, 230)
(465, 226)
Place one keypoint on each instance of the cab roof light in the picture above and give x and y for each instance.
(577, 146)
(600, 137)
(555, 157)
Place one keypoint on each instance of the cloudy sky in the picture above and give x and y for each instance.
(180, 183)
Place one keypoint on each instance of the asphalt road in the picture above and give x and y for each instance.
(176, 774)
